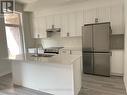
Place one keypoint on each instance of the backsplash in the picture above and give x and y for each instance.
(55, 40)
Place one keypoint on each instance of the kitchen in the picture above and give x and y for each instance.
(69, 17)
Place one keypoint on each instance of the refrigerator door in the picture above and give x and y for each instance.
(88, 63)
(102, 64)
(87, 39)
(101, 35)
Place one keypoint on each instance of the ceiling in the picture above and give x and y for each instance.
(26, 1)
(37, 4)
(48, 1)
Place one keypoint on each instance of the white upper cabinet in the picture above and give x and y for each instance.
(65, 25)
(42, 27)
(117, 19)
(58, 20)
(79, 22)
(90, 15)
(49, 21)
(53, 20)
(35, 28)
(72, 24)
(102, 14)
(39, 27)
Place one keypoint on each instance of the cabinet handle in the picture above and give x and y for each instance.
(38, 36)
(67, 34)
(70, 51)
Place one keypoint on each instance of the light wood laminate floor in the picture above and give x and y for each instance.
(91, 85)
(7, 88)
(99, 85)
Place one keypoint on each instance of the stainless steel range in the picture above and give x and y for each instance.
(53, 50)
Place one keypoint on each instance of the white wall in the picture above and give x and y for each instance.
(5, 67)
(125, 58)
(56, 40)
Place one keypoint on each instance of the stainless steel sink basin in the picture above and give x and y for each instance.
(42, 55)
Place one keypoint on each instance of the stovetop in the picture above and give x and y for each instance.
(53, 50)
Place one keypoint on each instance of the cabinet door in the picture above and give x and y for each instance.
(79, 23)
(64, 30)
(39, 27)
(103, 14)
(57, 20)
(90, 15)
(35, 27)
(117, 19)
(49, 21)
(72, 24)
(42, 27)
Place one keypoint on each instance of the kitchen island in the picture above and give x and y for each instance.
(57, 75)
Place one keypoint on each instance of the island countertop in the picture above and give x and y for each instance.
(57, 59)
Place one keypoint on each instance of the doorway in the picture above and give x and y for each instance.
(14, 34)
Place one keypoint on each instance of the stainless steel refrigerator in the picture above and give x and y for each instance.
(96, 48)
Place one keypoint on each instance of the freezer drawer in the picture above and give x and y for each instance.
(102, 64)
(88, 63)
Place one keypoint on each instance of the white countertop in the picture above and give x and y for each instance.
(57, 59)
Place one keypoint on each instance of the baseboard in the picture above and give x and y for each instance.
(4, 73)
(117, 74)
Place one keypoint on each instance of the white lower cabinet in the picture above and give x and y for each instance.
(117, 62)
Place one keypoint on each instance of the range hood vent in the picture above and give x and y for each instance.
(53, 29)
